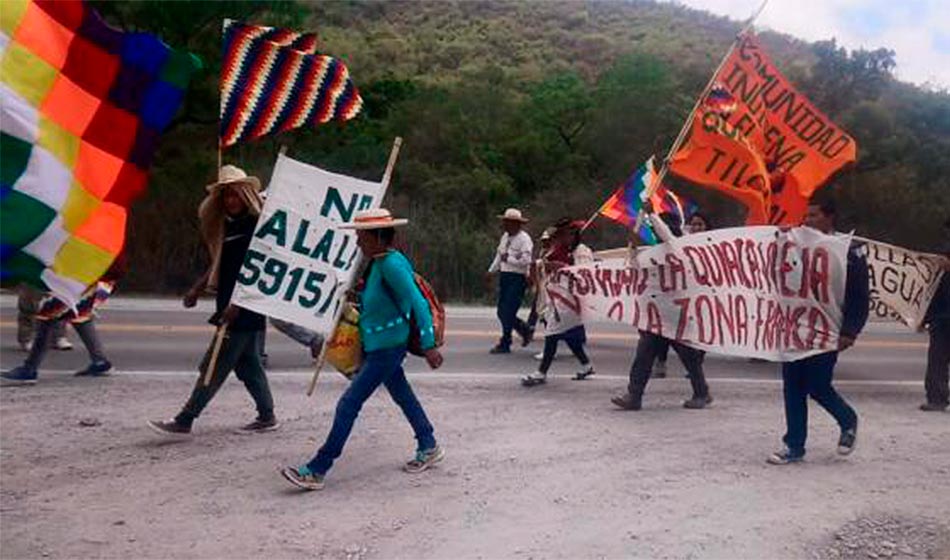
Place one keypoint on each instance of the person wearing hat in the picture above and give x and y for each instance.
(228, 216)
(566, 250)
(389, 298)
(512, 261)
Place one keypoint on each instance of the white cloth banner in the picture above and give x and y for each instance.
(903, 282)
(754, 292)
(299, 264)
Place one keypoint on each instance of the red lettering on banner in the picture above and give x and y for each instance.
(742, 321)
(820, 275)
(725, 319)
(701, 321)
(683, 304)
(759, 321)
(572, 303)
(616, 311)
(654, 322)
(819, 332)
(695, 260)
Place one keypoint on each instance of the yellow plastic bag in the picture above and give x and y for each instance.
(344, 351)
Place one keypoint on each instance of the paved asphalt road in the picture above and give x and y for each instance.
(160, 336)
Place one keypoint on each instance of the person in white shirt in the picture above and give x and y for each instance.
(512, 261)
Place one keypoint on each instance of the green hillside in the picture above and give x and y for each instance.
(542, 105)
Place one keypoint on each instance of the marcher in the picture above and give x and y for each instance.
(27, 303)
(228, 216)
(535, 280)
(566, 250)
(937, 319)
(389, 296)
(813, 376)
(52, 313)
(666, 227)
(697, 223)
(512, 260)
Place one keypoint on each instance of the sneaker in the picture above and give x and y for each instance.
(303, 477)
(933, 407)
(259, 426)
(170, 428)
(62, 343)
(499, 349)
(785, 457)
(847, 440)
(584, 373)
(659, 369)
(532, 379)
(424, 459)
(96, 369)
(26, 346)
(20, 375)
(627, 401)
(698, 402)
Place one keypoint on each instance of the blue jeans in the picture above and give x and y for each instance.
(511, 287)
(811, 377)
(382, 367)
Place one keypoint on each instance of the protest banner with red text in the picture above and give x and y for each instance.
(752, 292)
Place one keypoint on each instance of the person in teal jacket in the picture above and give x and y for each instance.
(389, 297)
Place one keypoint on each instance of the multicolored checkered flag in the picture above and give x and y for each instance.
(83, 104)
(272, 80)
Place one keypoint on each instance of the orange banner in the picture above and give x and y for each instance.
(718, 156)
(791, 134)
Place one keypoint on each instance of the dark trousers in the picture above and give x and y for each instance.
(647, 350)
(574, 338)
(511, 287)
(663, 350)
(937, 381)
(382, 367)
(46, 330)
(811, 377)
(239, 352)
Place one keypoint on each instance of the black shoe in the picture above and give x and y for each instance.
(499, 349)
(527, 336)
(170, 428)
(259, 426)
(96, 369)
(627, 401)
(933, 407)
(847, 440)
(698, 402)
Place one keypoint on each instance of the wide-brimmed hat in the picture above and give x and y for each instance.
(232, 175)
(514, 215)
(377, 218)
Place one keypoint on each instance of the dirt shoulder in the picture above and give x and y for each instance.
(550, 472)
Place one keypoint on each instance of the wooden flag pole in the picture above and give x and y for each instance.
(387, 177)
(215, 350)
(658, 180)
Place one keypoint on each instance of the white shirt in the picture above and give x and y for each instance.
(518, 249)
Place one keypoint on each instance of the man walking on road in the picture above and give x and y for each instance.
(390, 297)
(937, 379)
(512, 261)
(812, 376)
(228, 218)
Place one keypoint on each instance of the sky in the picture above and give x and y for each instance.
(917, 30)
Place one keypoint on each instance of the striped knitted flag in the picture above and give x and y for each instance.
(82, 107)
(272, 80)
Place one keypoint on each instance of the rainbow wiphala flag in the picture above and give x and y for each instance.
(83, 104)
(272, 80)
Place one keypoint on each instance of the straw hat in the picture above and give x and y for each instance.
(377, 218)
(232, 175)
(514, 215)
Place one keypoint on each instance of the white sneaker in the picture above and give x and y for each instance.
(26, 346)
(584, 372)
(62, 343)
(532, 379)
